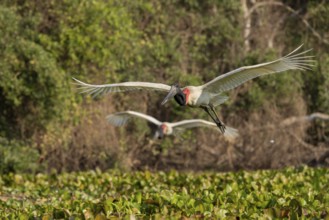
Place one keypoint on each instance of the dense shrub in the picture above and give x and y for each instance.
(45, 43)
(33, 89)
(18, 157)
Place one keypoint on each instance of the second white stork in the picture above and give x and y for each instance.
(167, 128)
(208, 96)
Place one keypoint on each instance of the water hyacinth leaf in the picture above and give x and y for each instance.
(221, 214)
(168, 195)
(139, 197)
(100, 217)
(228, 189)
(281, 201)
(87, 214)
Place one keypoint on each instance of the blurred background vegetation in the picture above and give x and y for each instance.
(45, 124)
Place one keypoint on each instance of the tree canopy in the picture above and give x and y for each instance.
(43, 44)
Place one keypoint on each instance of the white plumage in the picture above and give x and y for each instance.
(208, 95)
(166, 128)
(236, 77)
(96, 90)
(220, 84)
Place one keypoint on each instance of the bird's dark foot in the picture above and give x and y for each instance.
(221, 127)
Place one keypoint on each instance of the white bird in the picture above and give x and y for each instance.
(208, 95)
(167, 128)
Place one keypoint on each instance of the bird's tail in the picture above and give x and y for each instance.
(231, 133)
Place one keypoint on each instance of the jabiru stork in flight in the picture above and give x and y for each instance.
(208, 95)
(167, 128)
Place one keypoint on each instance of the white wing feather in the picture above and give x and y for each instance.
(96, 90)
(193, 123)
(229, 132)
(236, 77)
(121, 118)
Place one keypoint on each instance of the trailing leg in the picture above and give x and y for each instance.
(215, 118)
(219, 123)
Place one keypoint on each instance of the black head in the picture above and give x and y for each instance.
(180, 98)
(159, 133)
(177, 93)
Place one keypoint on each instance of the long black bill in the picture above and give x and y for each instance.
(172, 92)
(158, 134)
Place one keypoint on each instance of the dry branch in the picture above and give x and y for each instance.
(288, 8)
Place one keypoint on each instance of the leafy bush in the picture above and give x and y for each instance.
(44, 43)
(295, 193)
(33, 92)
(18, 157)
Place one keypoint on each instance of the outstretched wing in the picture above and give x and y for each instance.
(185, 124)
(236, 77)
(121, 118)
(119, 87)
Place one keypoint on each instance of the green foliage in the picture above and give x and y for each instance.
(44, 43)
(18, 157)
(300, 193)
(32, 88)
(103, 41)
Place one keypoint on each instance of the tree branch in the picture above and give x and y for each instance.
(288, 8)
